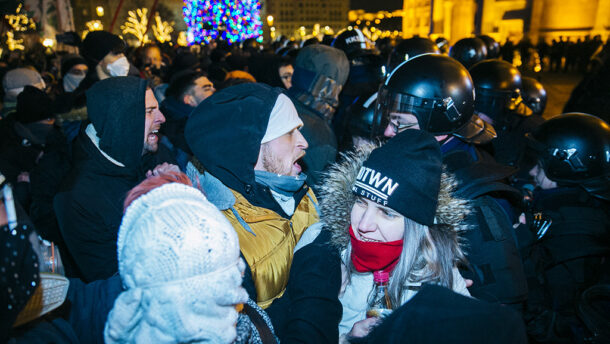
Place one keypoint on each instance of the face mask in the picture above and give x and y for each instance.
(374, 256)
(119, 67)
(71, 81)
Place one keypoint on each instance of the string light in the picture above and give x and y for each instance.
(12, 43)
(20, 21)
(136, 24)
(94, 25)
(182, 41)
(162, 30)
(233, 21)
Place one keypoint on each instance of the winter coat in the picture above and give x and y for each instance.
(107, 163)
(266, 239)
(335, 210)
(234, 122)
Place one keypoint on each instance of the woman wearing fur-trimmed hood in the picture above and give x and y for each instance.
(391, 209)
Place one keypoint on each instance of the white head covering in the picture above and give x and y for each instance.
(283, 119)
(179, 262)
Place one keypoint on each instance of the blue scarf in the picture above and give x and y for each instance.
(283, 185)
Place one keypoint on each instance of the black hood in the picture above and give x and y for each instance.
(116, 107)
(225, 133)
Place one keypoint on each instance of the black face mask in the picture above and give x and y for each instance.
(19, 275)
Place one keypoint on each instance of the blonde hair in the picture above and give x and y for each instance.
(429, 255)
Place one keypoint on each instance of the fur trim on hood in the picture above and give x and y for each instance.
(336, 198)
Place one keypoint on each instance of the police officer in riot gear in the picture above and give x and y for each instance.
(569, 245)
(534, 95)
(435, 93)
(469, 51)
(499, 100)
(365, 74)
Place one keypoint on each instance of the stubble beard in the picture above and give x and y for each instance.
(271, 163)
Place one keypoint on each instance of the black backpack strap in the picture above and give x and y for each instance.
(263, 329)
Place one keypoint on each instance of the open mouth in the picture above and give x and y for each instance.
(153, 136)
(297, 163)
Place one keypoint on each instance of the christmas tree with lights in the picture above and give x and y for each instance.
(233, 21)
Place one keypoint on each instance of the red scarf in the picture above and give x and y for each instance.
(374, 256)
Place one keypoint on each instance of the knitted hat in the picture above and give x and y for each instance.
(33, 105)
(69, 61)
(16, 79)
(179, 262)
(284, 118)
(98, 44)
(404, 175)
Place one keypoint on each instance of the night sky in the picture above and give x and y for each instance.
(376, 5)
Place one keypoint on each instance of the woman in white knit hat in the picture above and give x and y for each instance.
(181, 269)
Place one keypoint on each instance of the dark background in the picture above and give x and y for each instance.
(376, 5)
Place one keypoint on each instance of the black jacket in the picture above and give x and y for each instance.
(89, 205)
(224, 133)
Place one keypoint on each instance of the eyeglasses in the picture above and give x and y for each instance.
(398, 127)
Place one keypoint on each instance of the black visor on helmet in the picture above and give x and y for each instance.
(498, 104)
(435, 115)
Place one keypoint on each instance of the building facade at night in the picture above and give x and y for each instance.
(501, 19)
(286, 17)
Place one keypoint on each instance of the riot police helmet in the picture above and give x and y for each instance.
(353, 42)
(498, 89)
(469, 51)
(408, 49)
(362, 120)
(493, 47)
(438, 92)
(574, 148)
(534, 95)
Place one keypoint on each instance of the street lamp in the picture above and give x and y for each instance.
(100, 11)
(270, 20)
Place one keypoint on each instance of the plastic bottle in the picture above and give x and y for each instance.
(380, 305)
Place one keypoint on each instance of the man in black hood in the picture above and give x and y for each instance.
(320, 72)
(110, 157)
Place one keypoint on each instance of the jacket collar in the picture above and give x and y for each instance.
(222, 197)
(216, 192)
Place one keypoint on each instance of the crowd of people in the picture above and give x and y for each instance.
(254, 193)
(563, 54)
